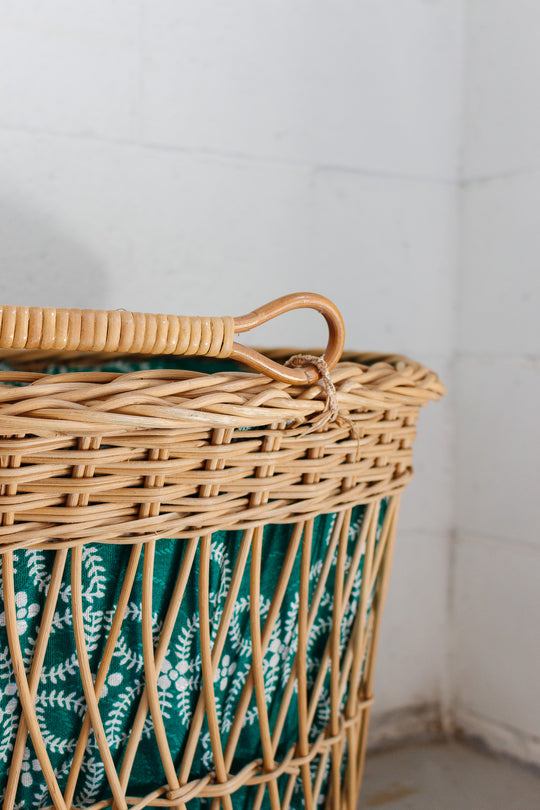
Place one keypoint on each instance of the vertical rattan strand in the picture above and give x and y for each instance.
(336, 694)
(358, 634)
(351, 649)
(209, 658)
(300, 669)
(287, 795)
(348, 661)
(161, 650)
(325, 658)
(35, 672)
(79, 471)
(27, 703)
(86, 677)
(321, 770)
(270, 443)
(208, 668)
(380, 551)
(12, 461)
(103, 669)
(352, 646)
(377, 606)
(315, 601)
(258, 673)
(301, 653)
(334, 793)
(151, 509)
(273, 612)
(301, 658)
(150, 669)
(25, 691)
(348, 656)
(367, 523)
(198, 715)
(219, 437)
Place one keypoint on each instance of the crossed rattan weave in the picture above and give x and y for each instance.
(133, 458)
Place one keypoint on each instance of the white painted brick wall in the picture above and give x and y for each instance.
(502, 115)
(206, 157)
(496, 574)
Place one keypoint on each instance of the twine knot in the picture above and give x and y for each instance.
(331, 407)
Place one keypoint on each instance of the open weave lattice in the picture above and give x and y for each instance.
(143, 458)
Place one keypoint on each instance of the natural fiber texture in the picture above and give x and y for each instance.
(92, 457)
(120, 331)
(115, 331)
(103, 570)
(331, 408)
(109, 457)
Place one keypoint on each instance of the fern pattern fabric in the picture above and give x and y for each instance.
(60, 703)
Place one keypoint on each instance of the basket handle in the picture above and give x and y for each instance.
(91, 330)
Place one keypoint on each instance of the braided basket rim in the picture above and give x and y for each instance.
(101, 402)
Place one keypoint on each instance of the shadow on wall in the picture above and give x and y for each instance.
(42, 265)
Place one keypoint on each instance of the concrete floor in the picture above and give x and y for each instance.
(446, 776)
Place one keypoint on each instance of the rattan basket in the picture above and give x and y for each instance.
(210, 496)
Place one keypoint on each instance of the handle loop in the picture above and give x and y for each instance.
(302, 376)
(91, 330)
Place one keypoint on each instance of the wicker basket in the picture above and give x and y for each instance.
(222, 503)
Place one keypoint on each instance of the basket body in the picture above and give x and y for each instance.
(193, 581)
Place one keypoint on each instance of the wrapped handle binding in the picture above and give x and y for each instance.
(90, 330)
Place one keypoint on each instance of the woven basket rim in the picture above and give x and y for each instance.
(101, 402)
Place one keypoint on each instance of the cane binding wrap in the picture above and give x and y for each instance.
(90, 330)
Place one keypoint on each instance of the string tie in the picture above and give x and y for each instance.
(331, 407)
